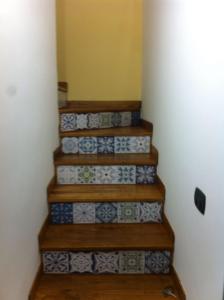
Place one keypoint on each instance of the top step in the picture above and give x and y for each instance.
(100, 106)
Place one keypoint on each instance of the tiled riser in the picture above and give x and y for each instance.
(121, 262)
(107, 212)
(73, 121)
(106, 174)
(106, 145)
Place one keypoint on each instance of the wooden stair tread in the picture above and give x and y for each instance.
(104, 287)
(100, 106)
(121, 131)
(97, 193)
(108, 159)
(86, 237)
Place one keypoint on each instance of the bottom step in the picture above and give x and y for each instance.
(106, 287)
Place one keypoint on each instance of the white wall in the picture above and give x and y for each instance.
(184, 98)
(28, 136)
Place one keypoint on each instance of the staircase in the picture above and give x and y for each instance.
(106, 236)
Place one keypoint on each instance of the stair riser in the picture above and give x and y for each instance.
(106, 145)
(113, 262)
(74, 121)
(129, 174)
(106, 212)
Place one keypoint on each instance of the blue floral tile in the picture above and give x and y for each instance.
(157, 262)
(68, 122)
(105, 145)
(106, 212)
(84, 213)
(56, 262)
(86, 175)
(145, 174)
(66, 175)
(132, 262)
(151, 212)
(81, 262)
(106, 174)
(116, 119)
(70, 145)
(93, 120)
(140, 144)
(106, 262)
(135, 118)
(126, 174)
(122, 144)
(126, 119)
(129, 212)
(82, 121)
(88, 145)
(106, 120)
(61, 213)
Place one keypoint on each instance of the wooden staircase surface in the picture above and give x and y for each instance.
(105, 287)
(107, 159)
(107, 237)
(102, 193)
(121, 131)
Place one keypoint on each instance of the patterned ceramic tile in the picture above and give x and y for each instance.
(140, 144)
(129, 212)
(145, 174)
(116, 119)
(106, 212)
(106, 262)
(83, 213)
(56, 262)
(105, 145)
(82, 121)
(68, 122)
(150, 212)
(106, 120)
(126, 174)
(61, 213)
(157, 262)
(126, 119)
(66, 175)
(106, 174)
(88, 145)
(135, 118)
(70, 145)
(94, 120)
(122, 144)
(86, 175)
(81, 262)
(132, 262)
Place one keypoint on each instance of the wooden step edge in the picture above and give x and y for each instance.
(35, 283)
(100, 106)
(178, 284)
(147, 125)
(44, 228)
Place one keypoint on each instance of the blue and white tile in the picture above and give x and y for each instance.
(84, 213)
(70, 145)
(88, 145)
(135, 118)
(116, 119)
(107, 174)
(128, 212)
(132, 262)
(157, 262)
(61, 213)
(126, 119)
(67, 175)
(56, 262)
(126, 174)
(122, 144)
(93, 120)
(86, 175)
(106, 212)
(145, 174)
(106, 262)
(82, 121)
(105, 145)
(140, 144)
(106, 120)
(68, 122)
(151, 212)
(81, 262)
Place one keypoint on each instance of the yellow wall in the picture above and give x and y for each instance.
(100, 48)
